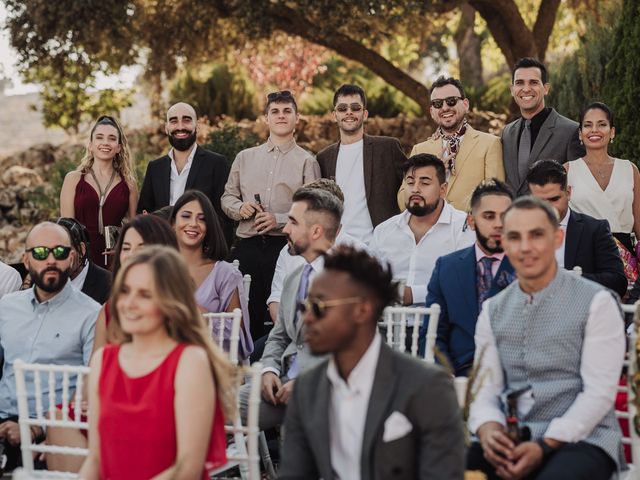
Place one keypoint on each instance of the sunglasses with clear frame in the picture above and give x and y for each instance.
(319, 307)
(354, 107)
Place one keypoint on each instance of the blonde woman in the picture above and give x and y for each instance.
(103, 190)
(157, 402)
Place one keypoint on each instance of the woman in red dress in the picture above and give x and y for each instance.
(157, 402)
(103, 190)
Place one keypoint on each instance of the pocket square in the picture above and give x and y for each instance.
(395, 427)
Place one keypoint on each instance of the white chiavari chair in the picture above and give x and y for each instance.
(577, 270)
(245, 452)
(396, 319)
(217, 323)
(632, 440)
(35, 376)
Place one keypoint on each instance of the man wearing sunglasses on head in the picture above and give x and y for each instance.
(469, 155)
(52, 322)
(258, 196)
(367, 168)
(367, 412)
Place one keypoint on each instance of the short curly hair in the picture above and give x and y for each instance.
(366, 271)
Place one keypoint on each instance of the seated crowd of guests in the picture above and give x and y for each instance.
(490, 229)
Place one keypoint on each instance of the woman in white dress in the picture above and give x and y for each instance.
(603, 186)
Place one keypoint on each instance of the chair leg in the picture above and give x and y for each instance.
(266, 457)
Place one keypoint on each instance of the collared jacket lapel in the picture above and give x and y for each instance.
(573, 234)
(195, 167)
(164, 180)
(384, 386)
(468, 144)
(467, 281)
(367, 164)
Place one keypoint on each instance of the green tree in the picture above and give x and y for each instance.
(69, 97)
(163, 34)
(622, 88)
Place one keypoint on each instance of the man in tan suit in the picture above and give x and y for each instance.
(469, 156)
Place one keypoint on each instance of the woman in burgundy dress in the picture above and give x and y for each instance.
(157, 402)
(103, 190)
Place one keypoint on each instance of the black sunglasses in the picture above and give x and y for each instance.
(42, 253)
(319, 307)
(281, 94)
(451, 101)
(354, 107)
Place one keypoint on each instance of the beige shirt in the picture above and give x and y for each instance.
(274, 173)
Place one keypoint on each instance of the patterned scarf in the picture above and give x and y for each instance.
(453, 143)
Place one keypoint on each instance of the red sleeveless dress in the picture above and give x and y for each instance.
(86, 204)
(137, 422)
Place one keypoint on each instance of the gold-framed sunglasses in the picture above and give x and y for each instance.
(319, 307)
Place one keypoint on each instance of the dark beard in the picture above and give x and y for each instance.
(422, 210)
(182, 144)
(51, 285)
(484, 243)
(294, 249)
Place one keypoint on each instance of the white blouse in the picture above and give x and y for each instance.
(614, 203)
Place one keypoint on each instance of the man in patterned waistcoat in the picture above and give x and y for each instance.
(559, 338)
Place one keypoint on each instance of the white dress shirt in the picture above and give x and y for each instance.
(602, 353)
(178, 181)
(10, 280)
(287, 263)
(560, 250)
(356, 220)
(394, 242)
(78, 282)
(348, 406)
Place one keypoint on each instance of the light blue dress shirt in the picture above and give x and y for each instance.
(58, 331)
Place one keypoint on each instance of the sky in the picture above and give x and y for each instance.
(8, 60)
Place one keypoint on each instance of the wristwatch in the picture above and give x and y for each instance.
(547, 450)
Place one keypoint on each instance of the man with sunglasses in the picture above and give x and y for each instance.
(187, 166)
(469, 155)
(50, 323)
(367, 168)
(367, 412)
(314, 221)
(85, 275)
(258, 195)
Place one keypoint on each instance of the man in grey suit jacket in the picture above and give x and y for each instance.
(540, 133)
(314, 221)
(368, 169)
(367, 412)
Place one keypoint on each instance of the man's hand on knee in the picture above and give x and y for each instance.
(284, 392)
(270, 385)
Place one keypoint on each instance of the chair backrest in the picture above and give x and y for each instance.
(248, 456)
(218, 323)
(246, 282)
(397, 319)
(631, 415)
(36, 375)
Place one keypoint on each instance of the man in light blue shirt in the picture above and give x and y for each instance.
(52, 322)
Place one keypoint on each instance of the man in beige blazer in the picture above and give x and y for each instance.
(470, 156)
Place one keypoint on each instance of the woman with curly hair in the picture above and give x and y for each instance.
(103, 190)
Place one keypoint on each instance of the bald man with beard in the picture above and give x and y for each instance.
(187, 166)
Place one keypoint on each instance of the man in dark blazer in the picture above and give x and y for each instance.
(85, 275)
(540, 132)
(367, 412)
(458, 283)
(588, 241)
(367, 168)
(187, 166)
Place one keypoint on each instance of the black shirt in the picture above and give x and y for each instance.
(536, 122)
